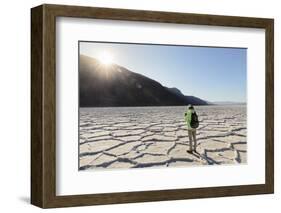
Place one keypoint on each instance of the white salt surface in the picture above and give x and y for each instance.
(138, 137)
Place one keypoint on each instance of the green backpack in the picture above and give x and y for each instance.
(194, 123)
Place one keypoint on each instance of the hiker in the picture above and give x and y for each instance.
(192, 122)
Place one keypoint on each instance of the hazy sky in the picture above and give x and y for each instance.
(212, 74)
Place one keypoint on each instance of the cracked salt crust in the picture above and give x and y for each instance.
(138, 137)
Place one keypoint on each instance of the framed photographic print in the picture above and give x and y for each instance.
(137, 106)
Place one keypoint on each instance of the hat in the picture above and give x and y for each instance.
(190, 106)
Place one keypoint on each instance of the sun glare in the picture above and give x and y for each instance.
(105, 58)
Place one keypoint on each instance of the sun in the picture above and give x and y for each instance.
(105, 58)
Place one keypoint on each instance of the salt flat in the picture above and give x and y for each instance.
(138, 137)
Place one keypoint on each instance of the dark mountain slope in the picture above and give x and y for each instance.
(106, 86)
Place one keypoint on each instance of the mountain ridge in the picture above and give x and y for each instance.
(110, 86)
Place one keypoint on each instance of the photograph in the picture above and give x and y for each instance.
(161, 105)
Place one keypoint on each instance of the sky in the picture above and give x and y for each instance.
(209, 73)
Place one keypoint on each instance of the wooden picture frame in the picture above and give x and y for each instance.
(43, 105)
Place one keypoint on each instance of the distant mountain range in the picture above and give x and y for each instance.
(228, 103)
(188, 99)
(114, 85)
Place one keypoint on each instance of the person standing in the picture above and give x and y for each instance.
(192, 122)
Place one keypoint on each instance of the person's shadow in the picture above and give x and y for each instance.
(195, 153)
